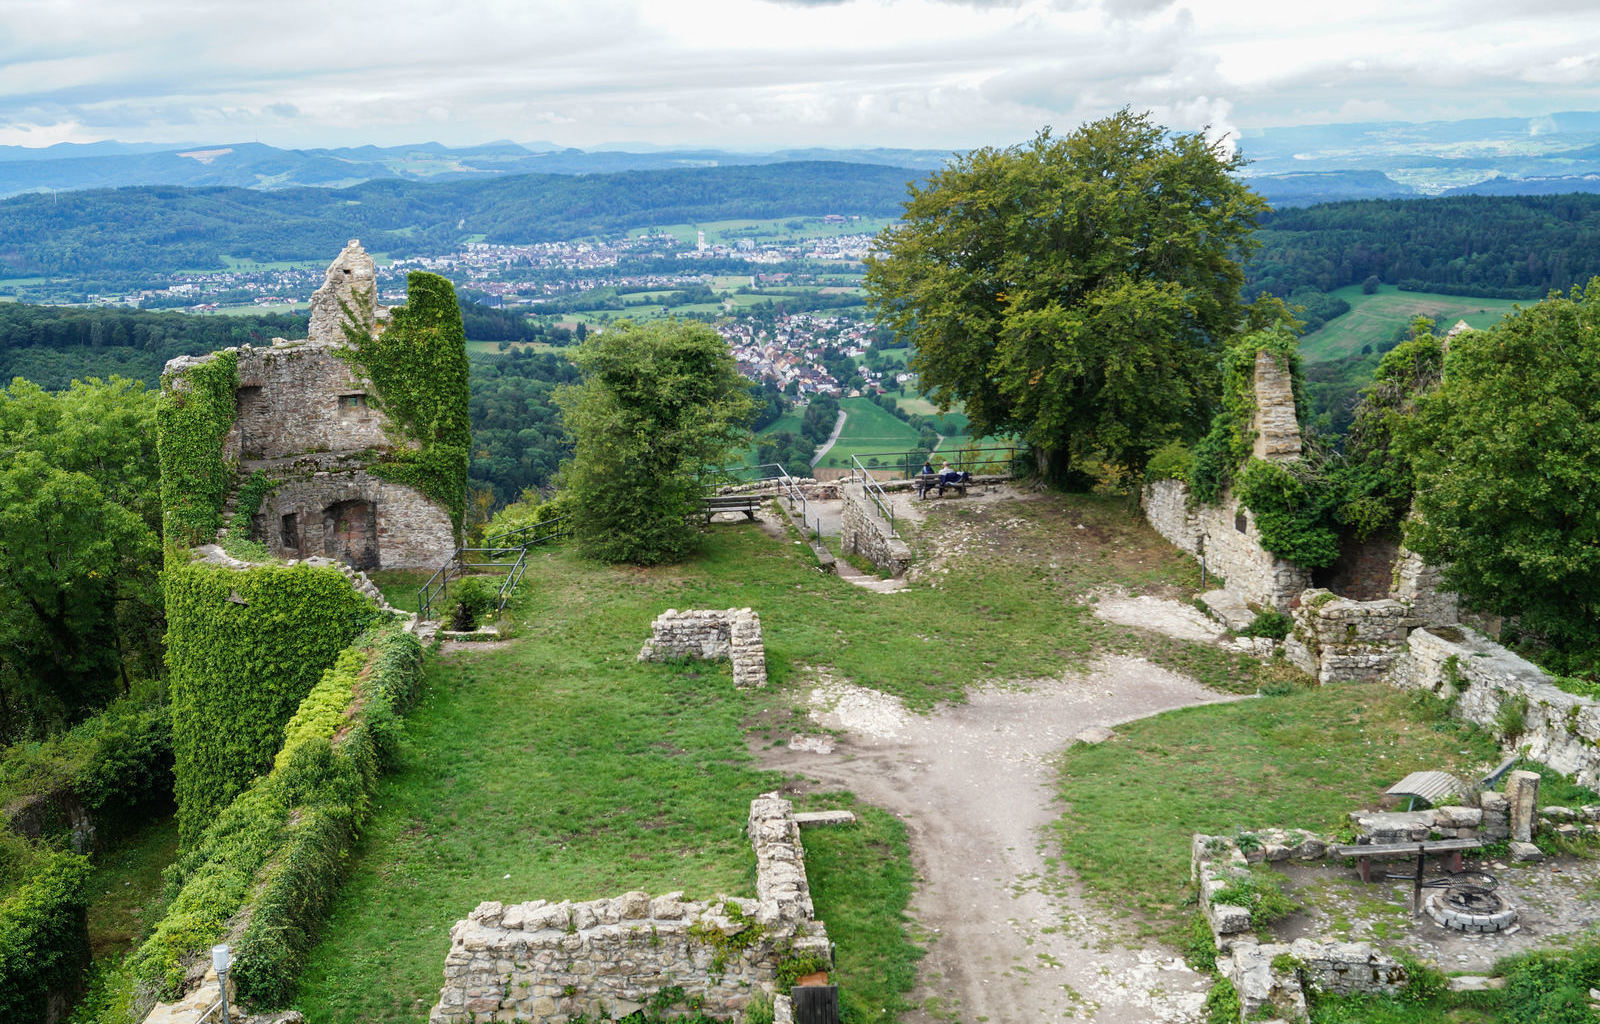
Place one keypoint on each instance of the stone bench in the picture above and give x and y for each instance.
(1366, 853)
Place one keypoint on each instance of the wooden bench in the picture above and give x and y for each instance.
(749, 504)
(929, 482)
(1365, 854)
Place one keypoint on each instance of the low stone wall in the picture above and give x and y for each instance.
(1226, 537)
(734, 634)
(864, 532)
(606, 959)
(1336, 639)
(1481, 679)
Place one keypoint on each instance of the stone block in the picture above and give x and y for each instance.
(1522, 792)
(1522, 851)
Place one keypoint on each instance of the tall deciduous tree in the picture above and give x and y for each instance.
(661, 407)
(1507, 458)
(1074, 290)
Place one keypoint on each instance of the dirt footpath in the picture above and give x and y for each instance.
(973, 782)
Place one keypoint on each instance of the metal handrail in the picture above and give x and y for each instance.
(909, 463)
(875, 491)
(789, 489)
(501, 544)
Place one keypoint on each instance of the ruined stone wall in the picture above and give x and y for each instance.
(734, 634)
(606, 959)
(296, 397)
(1422, 585)
(1340, 640)
(1364, 570)
(407, 530)
(864, 532)
(1166, 508)
(1480, 677)
(1235, 554)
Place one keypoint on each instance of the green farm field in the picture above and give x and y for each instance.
(1373, 319)
(868, 430)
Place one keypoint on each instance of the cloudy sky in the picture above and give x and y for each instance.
(938, 74)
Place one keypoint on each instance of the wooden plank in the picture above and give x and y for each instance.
(1407, 849)
(1430, 786)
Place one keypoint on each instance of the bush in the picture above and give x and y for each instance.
(44, 930)
(1551, 987)
(1292, 505)
(471, 598)
(271, 862)
(1172, 461)
(1261, 893)
(1269, 623)
(117, 766)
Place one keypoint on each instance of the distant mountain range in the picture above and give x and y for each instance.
(1291, 166)
(68, 167)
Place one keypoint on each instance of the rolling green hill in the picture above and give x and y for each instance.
(1374, 319)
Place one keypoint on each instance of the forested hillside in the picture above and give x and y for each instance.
(112, 232)
(1513, 247)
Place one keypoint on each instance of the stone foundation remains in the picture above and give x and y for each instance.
(1337, 639)
(862, 531)
(606, 959)
(734, 634)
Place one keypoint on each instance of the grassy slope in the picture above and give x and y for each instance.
(868, 429)
(1373, 319)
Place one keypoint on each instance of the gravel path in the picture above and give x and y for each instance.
(974, 784)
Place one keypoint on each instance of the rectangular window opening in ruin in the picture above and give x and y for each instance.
(350, 403)
(289, 530)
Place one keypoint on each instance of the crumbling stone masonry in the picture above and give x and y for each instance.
(734, 634)
(1226, 537)
(606, 959)
(864, 532)
(305, 419)
(1492, 687)
(1336, 639)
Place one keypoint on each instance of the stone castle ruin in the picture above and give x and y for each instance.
(307, 419)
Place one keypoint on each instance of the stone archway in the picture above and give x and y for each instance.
(350, 533)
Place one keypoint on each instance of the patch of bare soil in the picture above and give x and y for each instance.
(1164, 615)
(451, 648)
(974, 784)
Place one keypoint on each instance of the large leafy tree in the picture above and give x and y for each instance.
(660, 408)
(1507, 457)
(1076, 290)
(80, 547)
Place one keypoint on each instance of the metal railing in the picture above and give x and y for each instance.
(433, 592)
(875, 491)
(786, 488)
(988, 460)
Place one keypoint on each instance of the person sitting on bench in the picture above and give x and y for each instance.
(950, 476)
(927, 467)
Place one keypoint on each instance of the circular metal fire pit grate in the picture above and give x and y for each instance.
(1465, 904)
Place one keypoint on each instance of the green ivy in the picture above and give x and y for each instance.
(270, 863)
(44, 931)
(251, 494)
(1293, 506)
(1232, 436)
(243, 649)
(417, 366)
(193, 417)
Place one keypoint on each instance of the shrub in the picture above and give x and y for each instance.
(271, 862)
(1261, 893)
(1169, 462)
(1552, 986)
(472, 598)
(117, 765)
(1512, 717)
(1292, 505)
(1222, 1003)
(44, 931)
(1269, 623)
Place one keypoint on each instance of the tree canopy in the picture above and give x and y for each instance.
(661, 406)
(1075, 290)
(1507, 457)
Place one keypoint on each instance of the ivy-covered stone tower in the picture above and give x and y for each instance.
(350, 444)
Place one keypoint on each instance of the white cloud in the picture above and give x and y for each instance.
(945, 74)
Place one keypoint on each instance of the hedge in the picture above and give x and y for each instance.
(44, 927)
(116, 766)
(192, 421)
(243, 649)
(265, 871)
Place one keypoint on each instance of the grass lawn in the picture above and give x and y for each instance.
(1373, 319)
(1297, 761)
(400, 586)
(124, 887)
